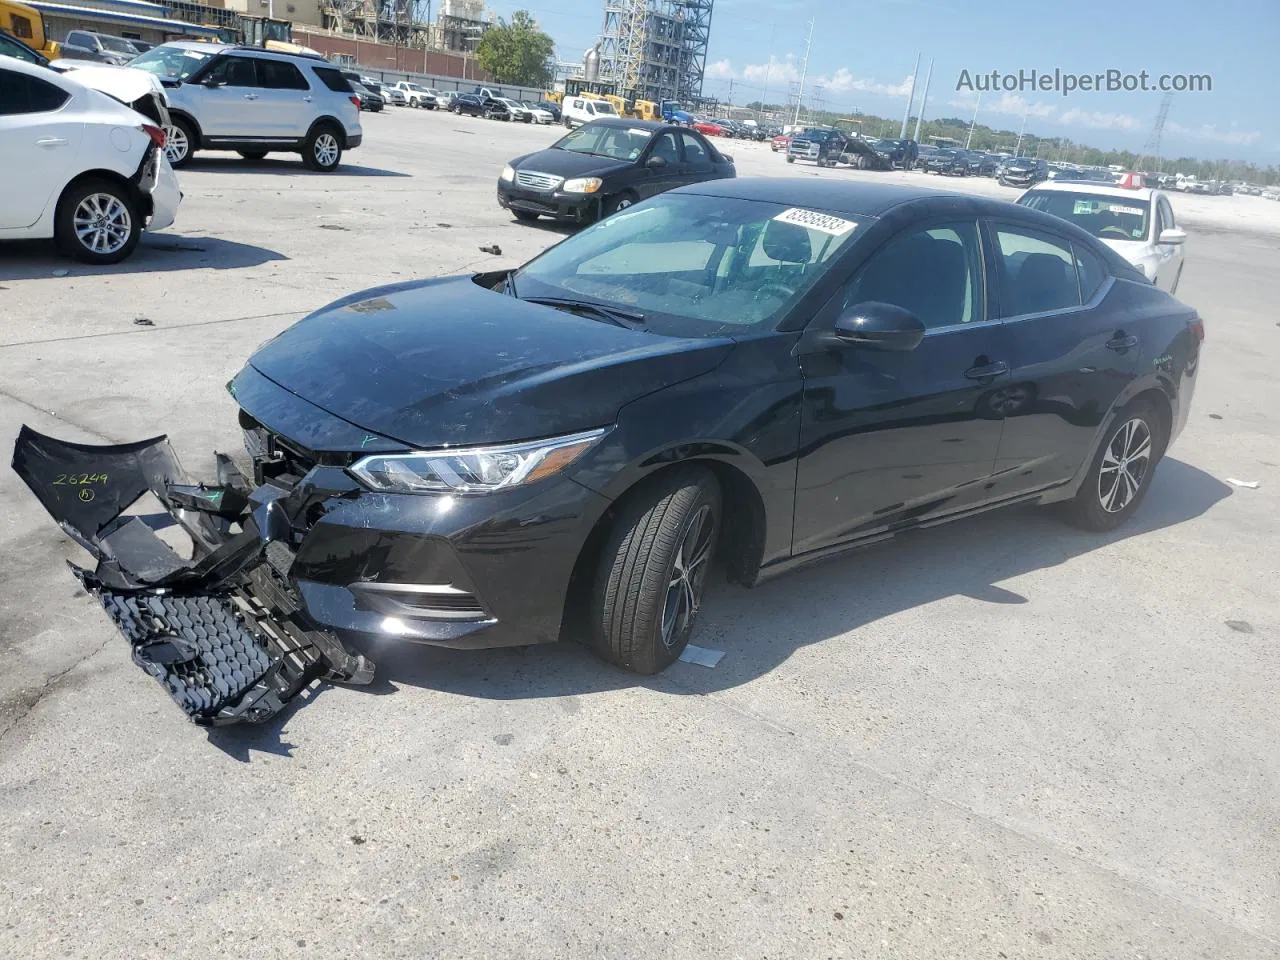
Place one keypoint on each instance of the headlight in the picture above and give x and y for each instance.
(473, 470)
(508, 173)
(582, 185)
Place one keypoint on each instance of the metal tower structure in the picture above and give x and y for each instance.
(1151, 149)
(656, 49)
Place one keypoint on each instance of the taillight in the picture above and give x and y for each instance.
(155, 133)
(356, 100)
(1196, 327)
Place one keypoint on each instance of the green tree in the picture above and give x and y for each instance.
(516, 51)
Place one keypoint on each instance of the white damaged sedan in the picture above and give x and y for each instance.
(89, 171)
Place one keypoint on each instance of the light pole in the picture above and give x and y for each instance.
(804, 72)
(923, 100)
(1017, 150)
(911, 95)
(969, 139)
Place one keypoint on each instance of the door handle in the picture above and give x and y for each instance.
(987, 370)
(251, 96)
(306, 99)
(51, 142)
(1121, 341)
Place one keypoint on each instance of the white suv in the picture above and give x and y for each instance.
(254, 102)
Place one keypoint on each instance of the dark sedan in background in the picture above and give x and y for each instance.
(605, 166)
(1023, 172)
(478, 105)
(948, 162)
(747, 366)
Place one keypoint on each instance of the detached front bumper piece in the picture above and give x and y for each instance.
(223, 631)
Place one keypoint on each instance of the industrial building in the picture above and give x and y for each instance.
(656, 49)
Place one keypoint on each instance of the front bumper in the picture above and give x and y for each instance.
(576, 207)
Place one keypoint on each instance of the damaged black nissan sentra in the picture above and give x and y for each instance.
(767, 371)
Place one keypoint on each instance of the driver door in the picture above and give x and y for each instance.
(234, 107)
(891, 439)
(655, 180)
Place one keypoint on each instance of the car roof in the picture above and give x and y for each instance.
(1096, 187)
(860, 198)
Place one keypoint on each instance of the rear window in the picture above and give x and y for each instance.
(332, 78)
(280, 75)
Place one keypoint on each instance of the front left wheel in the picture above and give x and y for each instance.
(323, 150)
(653, 570)
(97, 222)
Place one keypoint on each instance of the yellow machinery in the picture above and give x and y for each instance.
(19, 20)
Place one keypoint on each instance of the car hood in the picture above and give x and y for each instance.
(126, 84)
(566, 163)
(444, 362)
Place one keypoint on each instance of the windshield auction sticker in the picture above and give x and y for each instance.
(813, 220)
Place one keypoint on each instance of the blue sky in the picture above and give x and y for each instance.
(863, 52)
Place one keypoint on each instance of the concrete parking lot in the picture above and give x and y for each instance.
(1004, 738)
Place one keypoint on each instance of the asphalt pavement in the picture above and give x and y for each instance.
(1004, 738)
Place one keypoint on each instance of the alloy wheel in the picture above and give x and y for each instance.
(326, 149)
(684, 590)
(623, 203)
(102, 223)
(176, 144)
(1124, 465)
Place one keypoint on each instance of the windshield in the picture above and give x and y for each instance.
(1107, 218)
(604, 107)
(174, 63)
(694, 266)
(117, 45)
(616, 143)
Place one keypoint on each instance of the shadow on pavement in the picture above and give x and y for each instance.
(287, 165)
(966, 558)
(156, 253)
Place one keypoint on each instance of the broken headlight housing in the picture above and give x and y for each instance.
(582, 185)
(474, 469)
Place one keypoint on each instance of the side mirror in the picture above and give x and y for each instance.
(213, 83)
(1173, 235)
(880, 326)
(656, 163)
(727, 158)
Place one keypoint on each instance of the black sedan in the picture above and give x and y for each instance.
(948, 162)
(748, 368)
(605, 166)
(478, 105)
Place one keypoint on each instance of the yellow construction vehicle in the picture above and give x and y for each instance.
(26, 24)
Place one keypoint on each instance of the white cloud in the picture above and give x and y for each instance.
(775, 71)
(1209, 131)
(720, 70)
(843, 81)
(1008, 103)
(1097, 120)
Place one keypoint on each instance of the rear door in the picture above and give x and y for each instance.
(1072, 352)
(39, 141)
(890, 439)
(285, 99)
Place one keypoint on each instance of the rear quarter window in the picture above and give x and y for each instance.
(332, 78)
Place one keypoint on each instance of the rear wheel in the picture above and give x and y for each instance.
(653, 570)
(253, 156)
(97, 222)
(1120, 474)
(323, 150)
(179, 143)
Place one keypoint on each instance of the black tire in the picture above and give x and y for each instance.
(528, 216)
(181, 143)
(253, 156)
(125, 224)
(322, 150)
(791, 159)
(613, 204)
(1099, 505)
(638, 565)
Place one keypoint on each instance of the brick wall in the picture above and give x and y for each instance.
(385, 57)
